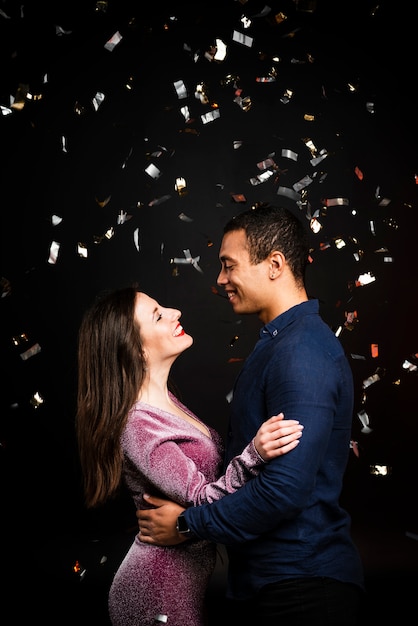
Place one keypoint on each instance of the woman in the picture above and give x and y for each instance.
(132, 428)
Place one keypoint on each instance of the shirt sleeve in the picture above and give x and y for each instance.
(166, 467)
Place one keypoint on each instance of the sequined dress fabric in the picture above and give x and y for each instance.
(168, 456)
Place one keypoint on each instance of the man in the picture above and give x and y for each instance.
(291, 557)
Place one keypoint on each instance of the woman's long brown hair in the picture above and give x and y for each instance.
(110, 374)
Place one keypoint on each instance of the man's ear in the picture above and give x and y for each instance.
(276, 263)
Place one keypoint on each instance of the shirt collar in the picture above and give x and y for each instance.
(281, 321)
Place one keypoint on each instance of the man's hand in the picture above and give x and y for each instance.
(158, 525)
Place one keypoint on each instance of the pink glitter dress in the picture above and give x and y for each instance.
(168, 456)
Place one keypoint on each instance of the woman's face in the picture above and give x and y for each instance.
(161, 333)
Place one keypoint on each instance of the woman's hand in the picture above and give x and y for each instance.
(277, 436)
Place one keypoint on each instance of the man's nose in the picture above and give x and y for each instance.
(222, 278)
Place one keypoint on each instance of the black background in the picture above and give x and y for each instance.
(349, 65)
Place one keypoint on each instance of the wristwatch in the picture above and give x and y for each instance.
(182, 526)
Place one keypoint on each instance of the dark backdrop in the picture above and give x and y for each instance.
(79, 126)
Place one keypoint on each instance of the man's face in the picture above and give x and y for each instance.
(246, 285)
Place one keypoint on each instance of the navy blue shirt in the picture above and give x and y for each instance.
(287, 522)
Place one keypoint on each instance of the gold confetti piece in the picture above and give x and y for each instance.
(80, 571)
(201, 93)
(230, 79)
(19, 340)
(244, 103)
(280, 17)
(352, 88)
(79, 109)
(339, 243)
(287, 96)
(180, 186)
(311, 146)
(82, 250)
(392, 223)
(20, 97)
(36, 400)
(101, 6)
(380, 470)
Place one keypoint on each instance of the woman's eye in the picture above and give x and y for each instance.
(159, 316)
